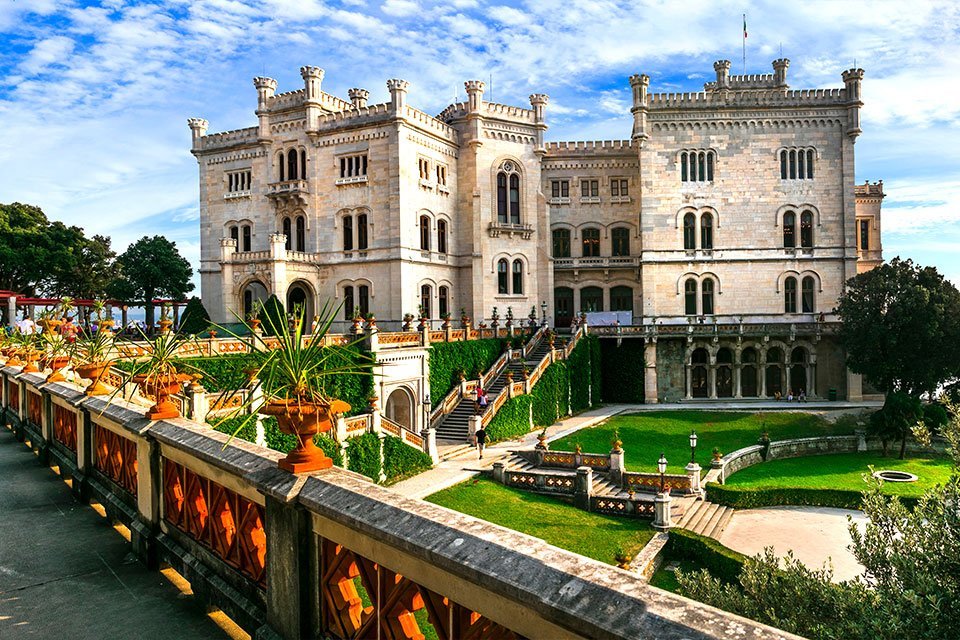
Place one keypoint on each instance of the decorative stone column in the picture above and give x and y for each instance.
(661, 505)
(473, 425)
(617, 467)
(737, 378)
(429, 436)
(498, 472)
(583, 488)
(688, 394)
(861, 439)
(650, 372)
(693, 470)
(712, 378)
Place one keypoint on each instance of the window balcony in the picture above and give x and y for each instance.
(341, 182)
(559, 200)
(287, 187)
(610, 262)
(510, 229)
(590, 200)
(233, 195)
(620, 200)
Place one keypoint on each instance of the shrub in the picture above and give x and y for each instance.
(584, 368)
(751, 497)
(722, 562)
(551, 395)
(195, 318)
(242, 427)
(273, 315)
(401, 460)
(512, 420)
(934, 416)
(448, 359)
(363, 455)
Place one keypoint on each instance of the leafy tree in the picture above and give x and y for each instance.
(151, 268)
(86, 267)
(896, 420)
(273, 316)
(195, 318)
(901, 327)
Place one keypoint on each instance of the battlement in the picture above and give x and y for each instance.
(752, 81)
(426, 121)
(226, 139)
(455, 110)
(868, 190)
(497, 109)
(370, 113)
(294, 99)
(736, 98)
(589, 147)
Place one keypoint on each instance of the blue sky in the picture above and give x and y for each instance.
(97, 94)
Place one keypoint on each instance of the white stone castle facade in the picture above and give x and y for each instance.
(725, 226)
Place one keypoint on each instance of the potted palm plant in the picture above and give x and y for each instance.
(160, 375)
(91, 354)
(57, 354)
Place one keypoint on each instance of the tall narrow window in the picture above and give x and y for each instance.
(301, 233)
(790, 295)
(806, 294)
(235, 236)
(709, 167)
(426, 294)
(793, 164)
(864, 235)
(684, 175)
(689, 232)
(621, 299)
(348, 233)
(810, 164)
(442, 236)
(362, 238)
(517, 277)
(424, 233)
(247, 232)
(292, 164)
(348, 303)
(303, 164)
(561, 243)
(690, 297)
(502, 277)
(502, 198)
(514, 199)
(591, 243)
(621, 241)
(706, 296)
(806, 229)
(783, 164)
(701, 168)
(364, 295)
(288, 232)
(801, 164)
(706, 231)
(282, 164)
(443, 301)
(789, 230)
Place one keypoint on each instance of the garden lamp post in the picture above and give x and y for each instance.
(543, 313)
(662, 468)
(693, 446)
(693, 469)
(429, 434)
(661, 504)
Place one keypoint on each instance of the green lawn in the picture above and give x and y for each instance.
(843, 471)
(645, 435)
(558, 523)
(667, 580)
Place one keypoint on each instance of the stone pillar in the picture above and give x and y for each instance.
(712, 381)
(149, 495)
(583, 488)
(861, 439)
(473, 425)
(340, 429)
(762, 372)
(693, 470)
(650, 372)
(123, 317)
(788, 385)
(617, 467)
(688, 394)
(498, 472)
(288, 572)
(854, 387)
(11, 311)
(661, 504)
(429, 436)
(737, 385)
(198, 404)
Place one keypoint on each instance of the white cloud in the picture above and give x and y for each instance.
(400, 8)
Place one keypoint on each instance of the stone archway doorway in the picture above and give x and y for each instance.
(399, 408)
(300, 294)
(253, 295)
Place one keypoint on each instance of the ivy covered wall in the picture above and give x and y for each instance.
(448, 359)
(623, 369)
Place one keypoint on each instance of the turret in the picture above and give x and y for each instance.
(266, 88)
(722, 67)
(539, 103)
(852, 79)
(780, 72)
(198, 129)
(474, 95)
(358, 97)
(640, 83)
(398, 94)
(312, 79)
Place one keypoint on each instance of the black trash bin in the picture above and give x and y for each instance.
(832, 395)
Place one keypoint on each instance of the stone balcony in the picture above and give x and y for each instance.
(288, 193)
(615, 262)
(496, 229)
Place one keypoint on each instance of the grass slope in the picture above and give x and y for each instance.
(558, 523)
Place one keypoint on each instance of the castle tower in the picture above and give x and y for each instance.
(539, 103)
(398, 94)
(312, 79)
(640, 83)
(780, 72)
(722, 68)
(358, 97)
(266, 88)
(474, 95)
(198, 129)
(852, 79)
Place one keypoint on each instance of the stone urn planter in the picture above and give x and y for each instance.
(160, 388)
(255, 324)
(57, 363)
(93, 372)
(32, 358)
(304, 419)
(50, 326)
(165, 325)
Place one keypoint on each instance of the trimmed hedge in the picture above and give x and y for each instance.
(722, 562)
(750, 497)
(551, 397)
(242, 427)
(363, 455)
(584, 366)
(401, 460)
(447, 359)
(624, 366)
(512, 421)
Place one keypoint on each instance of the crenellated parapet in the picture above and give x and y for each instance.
(591, 148)
(224, 139)
(869, 190)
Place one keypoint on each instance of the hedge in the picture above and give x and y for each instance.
(401, 460)
(242, 427)
(512, 420)
(551, 397)
(195, 319)
(751, 497)
(722, 562)
(448, 359)
(363, 455)
(584, 366)
(624, 366)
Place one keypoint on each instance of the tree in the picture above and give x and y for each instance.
(901, 327)
(151, 268)
(195, 318)
(273, 316)
(896, 420)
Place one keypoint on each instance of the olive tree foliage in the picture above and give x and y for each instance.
(901, 327)
(910, 588)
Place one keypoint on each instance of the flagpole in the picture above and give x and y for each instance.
(744, 44)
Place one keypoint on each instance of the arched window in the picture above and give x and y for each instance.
(806, 229)
(424, 233)
(517, 277)
(444, 301)
(591, 299)
(247, 232)
(697, 166)
(621, 299)
(502, 198)
(793, 164)
(426, 293)
(789, 230)
(288, 232)
(561, 243)
(442, 238)
(689, 232)
(690, 297)
(362, 238)
(301, 233)
(591, 242)
(303, 164)
(514, 199)
(364, 295)
(235, 236)
(292, 164)
(706, 231)
(783, 164)
(621, 241)
(706, 296)
(281, 165)
(810, 164)
(806, 294)
(348, 303)
(502, 282)
(790, 295)
(348, 233)
(684, 176)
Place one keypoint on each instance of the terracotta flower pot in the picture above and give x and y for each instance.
(255, 325)
(50, 326)
(32, 359)
(14, 360)
(304, 419)
(93, 372)
(57, 363)
(160, 388)
(165, 325)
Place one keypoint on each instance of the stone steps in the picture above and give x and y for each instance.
(706, 518)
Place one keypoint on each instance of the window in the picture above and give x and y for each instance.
(348, 233)
(502, 198)
(353, 166)
(281, 165)
(292, 172)
(560, 189)
(591, 299)
(690, 297)
(235, 236)
(514, 199)
(618, 187)
(864, 235)
(706, 231)
(502, 284)
(442, 175)
(301, 233)
(238, 181)
(696, 166)
(790, 295)
(426, 293)
(364, 294)
(706, 297)
(806, 294)
(621, 241)
(247, 231)
(508, 194)
(303, 164)
(348, 303)
(689, 232)
(806, 229)
(424, 233)
(796, 164)
(424, 169)
(789, 230)
(442, 236)
(362, 239)
(621, 299)
(591, 243)
(517, 277)
(561, 243)
(444, 301)
(589, 188)
(288, 233)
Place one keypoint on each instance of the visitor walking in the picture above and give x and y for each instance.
(481, 400)
(481, 440)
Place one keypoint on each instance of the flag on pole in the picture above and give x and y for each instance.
(744, 26)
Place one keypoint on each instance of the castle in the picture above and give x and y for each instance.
(721, 232)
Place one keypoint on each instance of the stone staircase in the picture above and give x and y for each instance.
(706, 518)
(602, 486)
